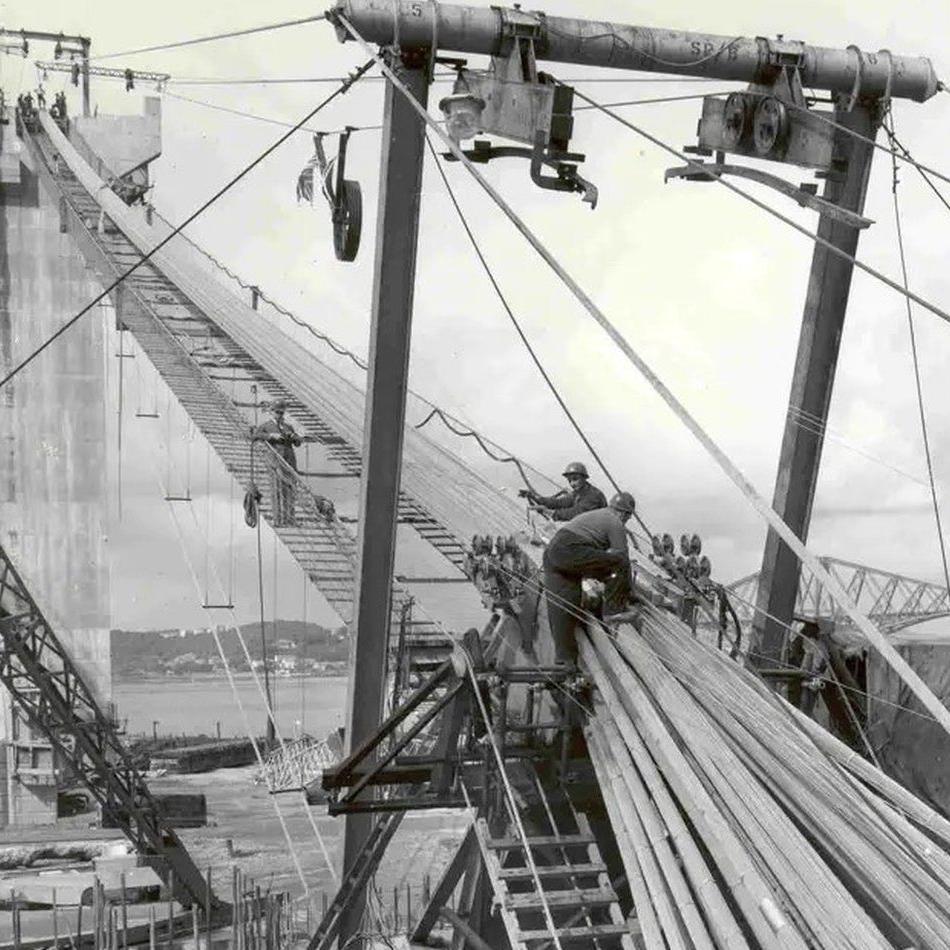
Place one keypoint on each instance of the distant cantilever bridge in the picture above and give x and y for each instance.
(892, 601)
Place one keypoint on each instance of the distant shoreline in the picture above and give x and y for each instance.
(213, 677)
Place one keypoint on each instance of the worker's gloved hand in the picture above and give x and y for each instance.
(525, 493)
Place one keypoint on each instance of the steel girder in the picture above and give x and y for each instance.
(49, 688)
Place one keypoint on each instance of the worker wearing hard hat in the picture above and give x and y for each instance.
(592, 545)
(565, 505)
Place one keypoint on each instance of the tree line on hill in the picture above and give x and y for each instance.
(137, 653)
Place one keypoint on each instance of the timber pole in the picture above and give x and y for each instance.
(826, 303)
(387, 379)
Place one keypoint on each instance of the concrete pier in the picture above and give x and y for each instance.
(54, 451)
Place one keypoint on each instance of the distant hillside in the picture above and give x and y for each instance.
(293, 647)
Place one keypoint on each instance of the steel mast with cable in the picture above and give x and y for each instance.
(412, 35)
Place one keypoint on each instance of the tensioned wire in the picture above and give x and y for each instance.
(358, 362)
(913, 680)
(585, 616)
(227, 668)
(211, 563)
(193, 41)
(812, 236)
(916, 362)
(202, 208)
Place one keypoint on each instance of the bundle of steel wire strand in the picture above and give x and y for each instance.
(741, 822)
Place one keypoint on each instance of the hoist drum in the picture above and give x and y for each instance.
(348, 221)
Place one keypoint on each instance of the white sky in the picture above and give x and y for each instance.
(707, 287)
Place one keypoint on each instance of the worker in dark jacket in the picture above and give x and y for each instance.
(282, 462)
(592, 545)
(568, 504)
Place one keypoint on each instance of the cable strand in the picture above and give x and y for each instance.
(194, 41)
(913, 349)
(195, 214)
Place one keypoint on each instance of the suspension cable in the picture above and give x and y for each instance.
(247, 655)
(207, 204)
(214, 36)
(765, 511)
(811, 235)
(921, 170)
(227, 669)
(889, 127)
(260, 118)
(296, 80)
(521, 334)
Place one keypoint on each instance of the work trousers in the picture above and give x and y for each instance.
(283, 494)
(568, 559)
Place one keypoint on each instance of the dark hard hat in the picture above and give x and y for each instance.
(278, 404)
(623, 501)
(576, 468)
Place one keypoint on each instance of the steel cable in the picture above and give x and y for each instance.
(207, 204)
(194, 41)
(916, 361)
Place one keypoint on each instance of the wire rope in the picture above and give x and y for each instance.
(203, 207)
(811, 235)
(803, 421)
(921, 171)
(523, 337)
(265, 81)
(583, 615)
(765, 511)
(247, 655)
(227, 668)
(194, 41)
(913, 349)
(260, 118)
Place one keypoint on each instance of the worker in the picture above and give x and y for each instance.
(282, 438)
(591, 545)
(565, 505)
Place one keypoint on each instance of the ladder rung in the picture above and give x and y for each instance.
(578, 933)
(553, 870)
(543, 841)
(595, 897)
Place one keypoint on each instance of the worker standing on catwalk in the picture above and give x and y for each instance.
(592, 545)
(568, 504)
(282, 438)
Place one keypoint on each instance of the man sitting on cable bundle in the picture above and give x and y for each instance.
(591, 545)
(568, 504)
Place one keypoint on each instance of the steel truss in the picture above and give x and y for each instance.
(892, 601)
(49, 688)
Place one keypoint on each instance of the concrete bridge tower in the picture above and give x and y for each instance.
(54, 450)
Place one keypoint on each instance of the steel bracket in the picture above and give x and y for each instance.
(802, 195)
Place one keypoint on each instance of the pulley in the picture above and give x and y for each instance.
(770, 127)
(344, 195)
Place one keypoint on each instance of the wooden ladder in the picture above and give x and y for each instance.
(575, 887)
